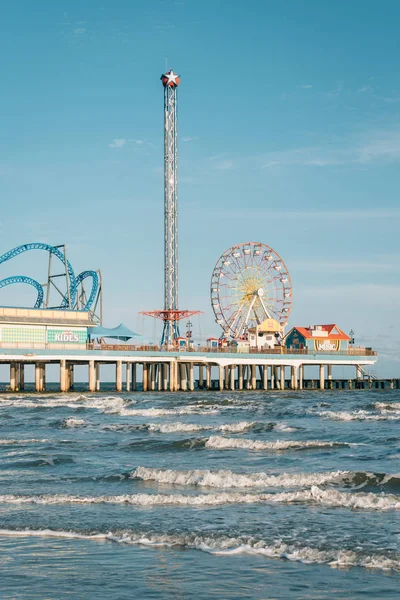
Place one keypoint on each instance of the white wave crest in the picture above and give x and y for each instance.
(179, 427)
(236, 427)
(284, 428)
(221, 443)
(71, 422)
(387, 405)
(360, 415)
(331, 498)
(218, 545)
(11, 442)
(176, 427)
(228, 479)
(166, 412)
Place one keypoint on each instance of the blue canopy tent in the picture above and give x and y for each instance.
(117, 333)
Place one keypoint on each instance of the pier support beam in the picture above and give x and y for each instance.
(13, 377)
(232, 378)
(63, 372)
(272, 377)
(201, 377)
(221, 378)
(128, 377)
(71, 376)
(152, 377)
(183, 385)
(329, 372)
(134, 377)
(145, 377)
(97, 377)
(208, 377)
(295, 378)
(92, 376)
(253, 377)
(265, 377)
(246, 377)
(118, 376)
(191, 377)
(226, 378)
(301, 377)
(282, 386)
(42, 376)
(240, 377)
(159, 377)
(164, 377)
(172, 378)
(321, 377)
(358, 372)
(21, 376)
(37, 378)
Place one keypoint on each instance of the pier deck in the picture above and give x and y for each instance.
(154, 369)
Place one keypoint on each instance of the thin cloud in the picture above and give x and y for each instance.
(346, 215)
(224, 165)
(117, 143)
(373, 147)
(306, 86)
(79, 31)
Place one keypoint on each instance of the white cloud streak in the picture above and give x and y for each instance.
(117, 143)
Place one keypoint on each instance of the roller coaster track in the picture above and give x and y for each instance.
(74, 282)
(28, 280)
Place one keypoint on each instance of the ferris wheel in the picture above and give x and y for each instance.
(250, 283)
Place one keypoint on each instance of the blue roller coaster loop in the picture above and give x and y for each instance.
(74, 282)
(95, 286)
(28, 280)
(52, 250)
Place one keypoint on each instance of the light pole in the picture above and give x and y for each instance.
(189, 326)
(351, 334)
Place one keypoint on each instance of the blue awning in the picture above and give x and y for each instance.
(118, 333)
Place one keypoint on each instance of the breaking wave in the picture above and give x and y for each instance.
(228, 479)
(221, 443)
(315, 495)
(71, 422)
(23, 441)
(225, 545)
(360, 415)
(178, 427)
(387, 405)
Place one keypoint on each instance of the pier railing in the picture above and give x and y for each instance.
(353, 351)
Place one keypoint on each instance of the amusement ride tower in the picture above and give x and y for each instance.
(170, 315)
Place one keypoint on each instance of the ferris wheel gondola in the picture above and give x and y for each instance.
(250, 283)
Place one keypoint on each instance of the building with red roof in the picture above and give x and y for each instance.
(317, 338)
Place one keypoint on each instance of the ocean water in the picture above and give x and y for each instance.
(200, 495)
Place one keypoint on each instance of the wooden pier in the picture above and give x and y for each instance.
(164, 371)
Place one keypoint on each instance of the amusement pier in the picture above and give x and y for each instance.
(250, 296)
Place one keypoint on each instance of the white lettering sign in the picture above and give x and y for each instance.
(66, 336)
(327, 346)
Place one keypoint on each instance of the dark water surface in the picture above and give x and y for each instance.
(203, 495)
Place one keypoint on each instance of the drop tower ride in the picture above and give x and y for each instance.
(170, 315)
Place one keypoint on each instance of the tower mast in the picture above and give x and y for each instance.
(170, 315)
(170, 81)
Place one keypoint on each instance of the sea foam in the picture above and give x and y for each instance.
(228, 479)
(314, 495)
(224, 545)
(223, 443)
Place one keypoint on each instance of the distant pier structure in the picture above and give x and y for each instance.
(170, 314)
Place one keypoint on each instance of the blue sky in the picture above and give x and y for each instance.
(289, 134)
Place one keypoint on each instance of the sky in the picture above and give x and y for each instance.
(289, 134)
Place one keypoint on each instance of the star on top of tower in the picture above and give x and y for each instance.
(170, 79)
(172, 76)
